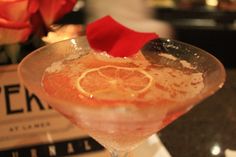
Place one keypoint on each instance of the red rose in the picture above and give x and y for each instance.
(15, 20)
(19, 17)
(52, 10)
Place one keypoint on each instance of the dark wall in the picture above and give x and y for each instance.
(219, 42)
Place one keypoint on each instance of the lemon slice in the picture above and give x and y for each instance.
(113, 82)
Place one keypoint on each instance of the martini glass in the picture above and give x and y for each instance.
(122, 128)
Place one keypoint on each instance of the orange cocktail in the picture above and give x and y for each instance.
(142, 96)
(120, 101)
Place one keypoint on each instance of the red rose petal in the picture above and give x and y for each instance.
(108, 35)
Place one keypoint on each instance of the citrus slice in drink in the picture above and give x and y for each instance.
(114, 82)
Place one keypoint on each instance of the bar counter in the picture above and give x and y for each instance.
(209, 129)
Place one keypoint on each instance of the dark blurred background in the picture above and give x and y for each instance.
(208, 24)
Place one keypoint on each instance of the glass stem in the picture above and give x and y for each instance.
(118, 154)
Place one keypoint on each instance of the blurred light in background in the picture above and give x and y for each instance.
(79, 5)
(212, 3)
(215, 150)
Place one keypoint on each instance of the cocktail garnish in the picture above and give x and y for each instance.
(114, 82)
(108, 35)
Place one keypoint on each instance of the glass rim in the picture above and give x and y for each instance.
(199, 97)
